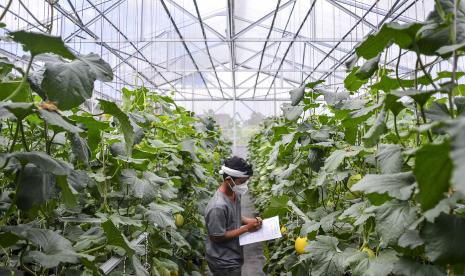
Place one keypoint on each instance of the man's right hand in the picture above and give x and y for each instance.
(253, 226)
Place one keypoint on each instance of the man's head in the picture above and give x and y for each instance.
(240, 165)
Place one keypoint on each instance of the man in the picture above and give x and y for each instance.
(223, 220)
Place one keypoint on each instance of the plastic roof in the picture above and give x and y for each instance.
(210, 50)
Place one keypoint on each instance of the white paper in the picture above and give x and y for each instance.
(270, 230)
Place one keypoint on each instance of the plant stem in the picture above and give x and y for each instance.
(23, 138)
(5, 10)
(397, 131)
(13, 143)
(397, 69)
(423, 116)
(422, 67)
(23, 81)
(47, 145)
(93, 249)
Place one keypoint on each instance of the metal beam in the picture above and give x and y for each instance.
(195, 18)
(92, 21)
(254, 24)
(264, 45)
(335, 46)
(184, 44)
(377, 10)
(351, 13)
(291, 43)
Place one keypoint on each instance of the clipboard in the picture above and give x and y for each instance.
(270, 230)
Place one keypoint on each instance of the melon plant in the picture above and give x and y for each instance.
(376, 181)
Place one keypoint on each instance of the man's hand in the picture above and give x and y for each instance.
(253, 225)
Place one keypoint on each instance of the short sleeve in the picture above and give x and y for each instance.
(216, 221)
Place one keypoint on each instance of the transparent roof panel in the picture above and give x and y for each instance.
(216, 50)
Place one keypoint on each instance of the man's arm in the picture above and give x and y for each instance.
(252, 226)
(246, 220)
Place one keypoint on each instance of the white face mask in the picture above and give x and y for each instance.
(239, 189)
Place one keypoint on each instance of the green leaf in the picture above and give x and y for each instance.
(437, 112)
(337, 157)
(444, 239)
(460, 104)
(8, 87)
(139, 187)
(116, 238)
(19, 110)
(80, 148)
(316, 158)
(68, 84)
(352, 82)
(276, 206)
(101, 68)
(162, 214)
(408, 267)
(8, 239)
(389, 158)
(372, 136)
(398, 215)
(139, 269)
(444, 206)
(66, 194)
(55, 119)
(391, 102)
(291, 112)
(313, 84)
(35, 187)
(43, 161)
(55, 249)
(368, 68)
(333, 98)
(433, 169)
(40, 43)
(398, 185)
(402, 35)
(327, 258)
(357, 213)
(411, 239)
(420, 97)
(457, 154)
(381, 265)
(297, 95)
(93, 129)
(125, 124)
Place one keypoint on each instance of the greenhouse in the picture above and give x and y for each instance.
(233, 137)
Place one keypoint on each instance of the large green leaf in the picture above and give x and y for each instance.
(397, 185)
(352, 82)
(372, 136)
(291, 112)
(116, 238)
(327, 258)
(55, 119)
(402, 35)
(297, 95)
(162, 214)
(421, 97)
(43, 161)
(389, 158)
(411, 239)
(439, 27)
(444, 206)
(39, 43)
(393, 218)
(433, 169)
(34, 187)
(333, 98)
(276, 206)
(68, 84)
(8, 87)
(55, 249)
(409, 267)
(457, 153)
(368, 68)
(125, 124)
(139, 269)
(139, 187)
(391, 102)
(80, 148)
(444, 239)
(381, 265)
(437, 112)
(337, 157)
(19, 110)
(93, 129)
(101, 68)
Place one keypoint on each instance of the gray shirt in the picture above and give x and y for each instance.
(223, 215)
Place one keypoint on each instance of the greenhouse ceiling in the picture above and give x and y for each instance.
(210, 50)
